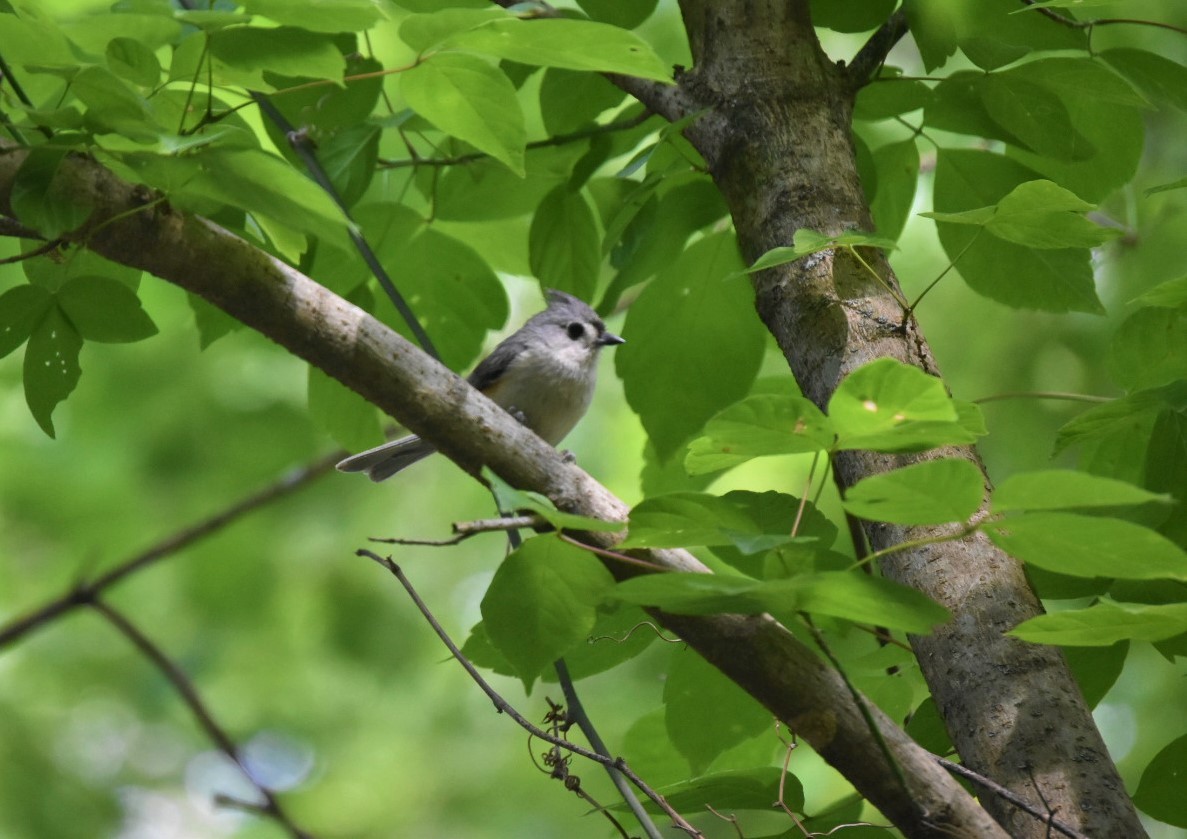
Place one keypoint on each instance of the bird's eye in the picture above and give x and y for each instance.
(575, 330)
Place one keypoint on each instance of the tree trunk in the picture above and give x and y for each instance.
(778, 144)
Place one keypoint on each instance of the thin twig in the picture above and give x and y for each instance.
(504, 707)
(1102, 21)
(1012, 797)
(189, 694)
(1043, 394)
(575, 712)
(83, 593)
(615, 555)
(11, 227)
(558, 140)
(38, 251)
(465, 529)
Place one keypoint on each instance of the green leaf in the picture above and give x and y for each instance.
(934, 492)
(890, 406)
(466, 97)
(1105, 624)
(851, 16)
(571, 44)
(1096, 668)
(759, 425)
(131, 60)
(1037, 214)
(1061, 489)
(242, 54)
(21, 309)
(1159, 78)
(750, 521)
(320, 15)
(705, 713)
(1033, 115)
(422, 31)
(39, 201)
(692, 594)
(1122, 416)
(888, 96)
(1150, 348)
(263, 183)
(570, 99)
(349, 158)
(513, 499)
(897, 165)
(1085, 546)
(541, 602)
(348, 418)
(1169, 295)
(105, 310)
(51, 366)
(694, 344)
(564, 249)
(626, 15)
(1160, 791)
(1050, 280)
(857, 597)
(807, 242)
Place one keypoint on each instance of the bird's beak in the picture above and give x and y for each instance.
(608, 339)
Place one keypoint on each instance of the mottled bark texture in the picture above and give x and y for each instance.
(760, 654)
(778, 143)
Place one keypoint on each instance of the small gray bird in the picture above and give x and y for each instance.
(544, 375)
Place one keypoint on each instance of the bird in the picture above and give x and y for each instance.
(543, 374)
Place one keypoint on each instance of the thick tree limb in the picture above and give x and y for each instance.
(779, 147)
(130, 227)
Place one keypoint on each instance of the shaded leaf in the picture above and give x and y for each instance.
(1061, 489)
(21, 309)
(1105, 624)
(103, 309)
(759, 425)
(934, 492)
(51, 366)
(1160, 791)
(564, 248)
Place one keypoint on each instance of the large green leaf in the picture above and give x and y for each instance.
(1123, 416)
(103, 309)
(564, 248)
(759, 425)
(890, 406)
(934, 492)
(750, 521)
(693, 345)
(51, 366)
(566, 43)
(1062, 489)
(1086, 546)
(1157, 77)
(468, 98)
(1150, 348)
(705, 713)
(348, 418)
(1051, 280)
(541, 602)
(39, 202)
(21, 309)
(320, 15)
(243, 54)
(897, 165)
(1160, 791)
(1105, 624)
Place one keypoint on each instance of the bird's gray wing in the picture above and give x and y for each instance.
(491, 369)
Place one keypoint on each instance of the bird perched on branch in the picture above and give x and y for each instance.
(543, 374)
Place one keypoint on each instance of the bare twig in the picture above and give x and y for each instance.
(466, 529)
(51, 245)
(504, 707)
(1043, 394)
(558, 140)
(189, 694)
(1018, 801)
(84, 593)
(1102, 21)
(11, 227)
(615, 555)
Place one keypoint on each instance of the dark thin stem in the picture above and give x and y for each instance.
(576, 713)
(1064, 20)
(7, 75)
(558, 140)
(84, 593)
(38, 251)
(463, 530)
(1006, 795)
(11, 227)
(504, 707)
(620, 557)
(304, 150)
(189, 694)
(873, 53)
(1043, 394)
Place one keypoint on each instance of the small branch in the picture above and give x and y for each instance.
(1072, 23)
(39, 251)
(465, 529)
(1042, 394)
(11, 227)
(575, 713)
(85, 593)
(615, 555)
(873, 53)
(558, 140)
(504, 707)
(1018, 801)
(189, 694)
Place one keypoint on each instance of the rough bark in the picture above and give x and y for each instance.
(317, 325)
(778, 144)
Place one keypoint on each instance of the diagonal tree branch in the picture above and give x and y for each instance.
(130, 226)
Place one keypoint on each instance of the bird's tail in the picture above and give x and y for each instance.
(381, 462)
